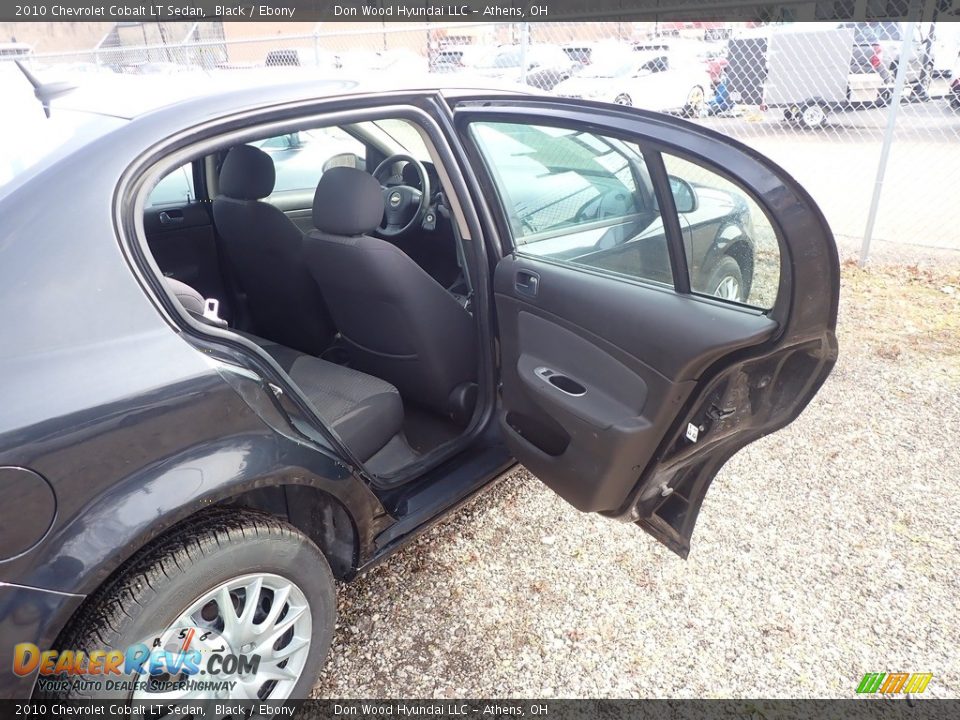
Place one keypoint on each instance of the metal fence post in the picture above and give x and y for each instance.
(906, 51)
(524, 41)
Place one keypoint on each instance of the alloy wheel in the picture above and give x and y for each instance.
(728, 288)
(813, 116)
(695, 102)
(259, 615)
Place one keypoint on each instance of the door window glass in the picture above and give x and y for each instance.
(732, 250)
(176, 188)
(576, 197)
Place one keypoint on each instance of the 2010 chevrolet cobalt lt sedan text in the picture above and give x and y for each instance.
(255, 340)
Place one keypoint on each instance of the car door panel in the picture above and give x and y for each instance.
(665, 385)
(580, 327)
(182, 240)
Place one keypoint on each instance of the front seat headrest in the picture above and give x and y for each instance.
(247, 173)
(347, 202)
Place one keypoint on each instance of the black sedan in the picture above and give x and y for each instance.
(230, 382)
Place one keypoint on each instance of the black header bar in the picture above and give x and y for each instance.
(422, 11)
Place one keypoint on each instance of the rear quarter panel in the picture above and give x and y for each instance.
(132, 426)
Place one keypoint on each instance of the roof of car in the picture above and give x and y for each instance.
(222, 92)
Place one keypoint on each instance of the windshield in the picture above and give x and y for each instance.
(610, 68)
(502, 59)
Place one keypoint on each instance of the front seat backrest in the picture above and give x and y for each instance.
(264, 250)
(398, 322)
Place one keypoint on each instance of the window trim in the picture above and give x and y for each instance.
(783, 249)
(473, 112)
(671, 224)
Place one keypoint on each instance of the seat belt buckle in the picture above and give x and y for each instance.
(211, 312)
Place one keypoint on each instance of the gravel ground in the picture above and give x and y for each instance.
(822, 552)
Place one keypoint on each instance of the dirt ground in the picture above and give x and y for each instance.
(822, 552)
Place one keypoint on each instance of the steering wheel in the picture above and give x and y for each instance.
(403, 206)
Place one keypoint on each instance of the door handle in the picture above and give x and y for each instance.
(527, 283)
(169, 217)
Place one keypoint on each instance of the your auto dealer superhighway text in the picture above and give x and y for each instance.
(164, 11)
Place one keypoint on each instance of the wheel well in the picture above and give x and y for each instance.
(743, 254)
(317, 514)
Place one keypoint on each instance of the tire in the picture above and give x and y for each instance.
(623, 99)
(725, 281)
(812, 115)
(695, 102)
(921, 89)
(222, 547)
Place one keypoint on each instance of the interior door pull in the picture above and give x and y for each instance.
(169, 217)
(527, 283)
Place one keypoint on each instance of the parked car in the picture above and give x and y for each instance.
(877, 46)
(295, 57)
(651, 80)
(580, 54)
(210, 416)
(364, 63)
(458, 58)
(546, 65)
(711, 54)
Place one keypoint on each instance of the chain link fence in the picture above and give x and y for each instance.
(865, 115)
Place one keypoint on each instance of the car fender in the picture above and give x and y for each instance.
(728, 237)
(103, 521)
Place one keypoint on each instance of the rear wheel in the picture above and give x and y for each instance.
(238, 584)
(813, 115)
(623, 99)
(725, 281)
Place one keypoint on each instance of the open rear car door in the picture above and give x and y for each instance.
(666, 296)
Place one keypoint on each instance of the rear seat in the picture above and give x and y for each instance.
(365, 411)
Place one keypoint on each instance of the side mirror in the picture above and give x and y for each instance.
(684, 196)
(293, 141)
